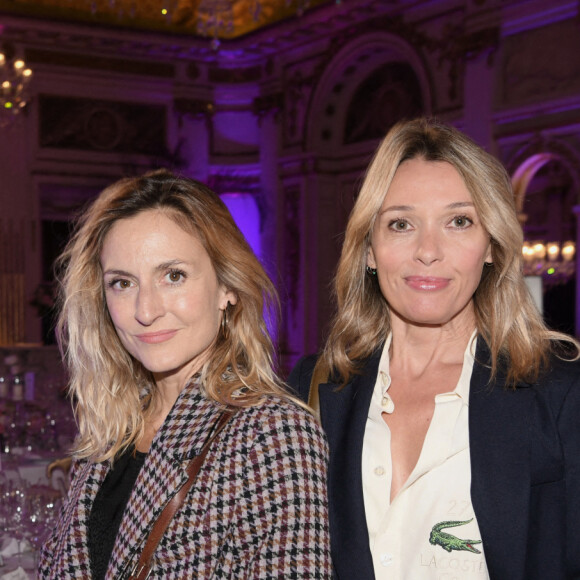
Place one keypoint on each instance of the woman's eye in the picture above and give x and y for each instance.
(120, 284)
(399, 225)
(461, 221)
(175, 276)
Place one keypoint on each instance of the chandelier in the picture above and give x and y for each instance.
(14, 79)
(553, 261)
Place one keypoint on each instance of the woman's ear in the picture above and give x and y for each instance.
(371, 262)
(488, 255)
(228, 298)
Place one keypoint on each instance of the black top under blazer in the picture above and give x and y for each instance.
(525, 468)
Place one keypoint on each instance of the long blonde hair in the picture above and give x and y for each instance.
(112, 390)
(506, 317)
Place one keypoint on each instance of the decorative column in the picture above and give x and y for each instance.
(478, 48)
(193, 136)
(267, 108)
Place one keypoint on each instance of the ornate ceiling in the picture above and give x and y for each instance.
(211, 18)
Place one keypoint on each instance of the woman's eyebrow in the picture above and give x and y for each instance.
(170, 264)
(116, 273)
(454, 205)
(397, 208)
(460, 204)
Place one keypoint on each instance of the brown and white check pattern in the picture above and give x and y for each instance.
(258, 508)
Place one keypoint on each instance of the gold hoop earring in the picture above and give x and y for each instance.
(224, 327)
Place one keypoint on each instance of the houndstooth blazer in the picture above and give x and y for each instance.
(258, 508)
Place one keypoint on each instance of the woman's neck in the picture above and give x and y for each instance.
(416, 348)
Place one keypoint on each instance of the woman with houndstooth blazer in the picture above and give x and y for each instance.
(162, 329)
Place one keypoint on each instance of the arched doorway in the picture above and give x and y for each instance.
(546, 194)
(371, 83)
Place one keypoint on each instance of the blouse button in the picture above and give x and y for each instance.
(387, 404)
(380, 470)
(386, 559)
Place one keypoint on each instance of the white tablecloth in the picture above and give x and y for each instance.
(31, 469)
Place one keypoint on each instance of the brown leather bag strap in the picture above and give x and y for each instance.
(319, 375)
(143, 567)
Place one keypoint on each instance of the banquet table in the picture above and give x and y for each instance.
(31, 469)
(19, 568)
(26, 473)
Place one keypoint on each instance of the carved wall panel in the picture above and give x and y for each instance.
(99, 125)
(298, 82)
(541, 63)
(388, 95)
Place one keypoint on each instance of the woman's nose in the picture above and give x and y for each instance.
(429, 247)
(149, 306)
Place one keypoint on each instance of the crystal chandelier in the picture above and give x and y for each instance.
(553, 261)
(14, 79)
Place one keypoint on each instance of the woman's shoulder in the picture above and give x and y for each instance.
(557, 387)
(281, 409)
(562, 373)
(281, 418)
(301, 375)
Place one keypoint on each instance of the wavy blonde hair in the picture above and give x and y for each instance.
(112, 390)
(506, 317)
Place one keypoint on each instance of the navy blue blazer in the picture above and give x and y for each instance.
(525, 468)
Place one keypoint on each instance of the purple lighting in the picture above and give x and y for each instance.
(244, 210)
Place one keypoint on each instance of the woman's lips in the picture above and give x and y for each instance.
(427, 282)
(156, 337)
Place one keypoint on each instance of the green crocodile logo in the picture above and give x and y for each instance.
(449, 542)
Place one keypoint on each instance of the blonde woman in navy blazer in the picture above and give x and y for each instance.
(392, 287)
(162, 327)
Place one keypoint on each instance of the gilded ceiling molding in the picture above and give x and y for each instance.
(216, 19)
(324, 22)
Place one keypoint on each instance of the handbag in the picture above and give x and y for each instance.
(142, 569)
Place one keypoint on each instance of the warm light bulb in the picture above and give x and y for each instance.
(2, 59)
(527, 252)
(539, 250)
(164, 11)
(27, 73)
(568, 251)
(6, 85)
(18, 64)
(553, 249)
